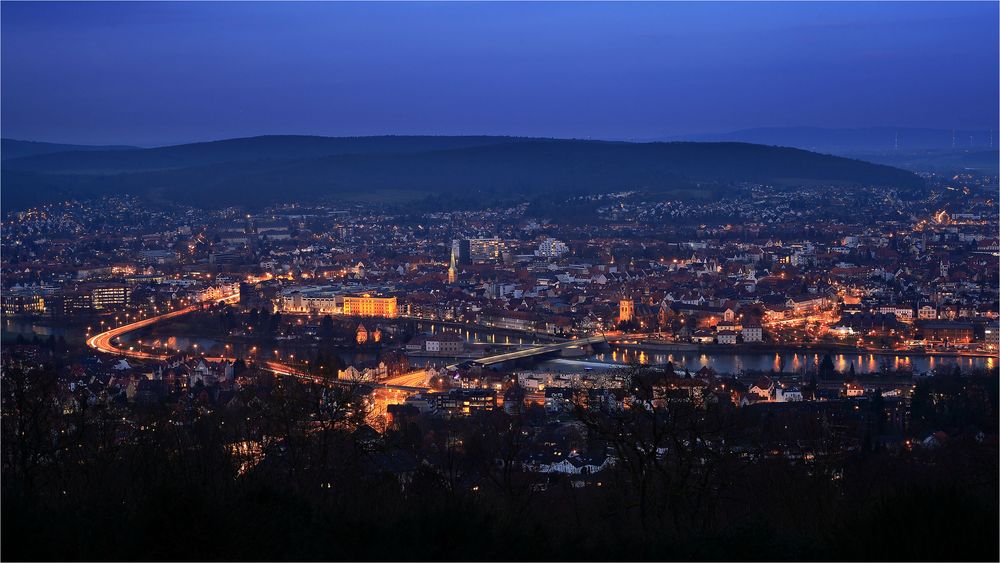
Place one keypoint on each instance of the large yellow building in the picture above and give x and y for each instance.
(368, 306)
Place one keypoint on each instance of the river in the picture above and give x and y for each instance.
(726, 362)
(722, 362)
(12, 328)
(790, 361)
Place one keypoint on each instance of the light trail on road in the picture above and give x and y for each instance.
(103, 342)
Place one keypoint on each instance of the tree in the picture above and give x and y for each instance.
(672, 466)
(265, 319)
(826, 369)
(326, 327)
(337, 364)
(878, 412)
(922, 412)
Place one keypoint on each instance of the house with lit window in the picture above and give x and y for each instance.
(763, 387)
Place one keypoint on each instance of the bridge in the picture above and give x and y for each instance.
(539, 350)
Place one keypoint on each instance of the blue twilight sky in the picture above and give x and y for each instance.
(155, 73)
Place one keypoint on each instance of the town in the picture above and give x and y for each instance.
(499, 281)
(860, 320)
(743, 300)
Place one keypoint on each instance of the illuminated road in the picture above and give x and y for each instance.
(413, 379)
(102, 342)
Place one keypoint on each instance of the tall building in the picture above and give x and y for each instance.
(368, 306)
(486, 249)
(452, 267)
(461, 249)
(626, 310)
(551, 248)
(110, 296)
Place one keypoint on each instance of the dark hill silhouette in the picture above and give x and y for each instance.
(839, 141)
(268, 147)
(264, 170)
(13, 148)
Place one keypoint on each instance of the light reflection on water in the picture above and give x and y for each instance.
(473, 336)
(790, 362)
(787, 362)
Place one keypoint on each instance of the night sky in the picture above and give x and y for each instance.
(150, 73)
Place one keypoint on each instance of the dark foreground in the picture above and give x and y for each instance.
(166, 483)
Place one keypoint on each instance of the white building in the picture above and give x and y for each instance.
(727, 336)
(789, 395)
(752, 333)
(310, 301)
(551, 248)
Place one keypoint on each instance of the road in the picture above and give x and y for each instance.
(413, 379)
(103, 342)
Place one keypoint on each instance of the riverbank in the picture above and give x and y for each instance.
(785, 348)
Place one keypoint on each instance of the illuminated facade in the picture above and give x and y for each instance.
(452, 268)
(368, 306)
(626, 310)
(110, 297)
(486, 249)
(313, 303)
(23, 304)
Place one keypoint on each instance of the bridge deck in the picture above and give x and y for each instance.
(538, 350)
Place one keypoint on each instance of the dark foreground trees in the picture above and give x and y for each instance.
(294, 474)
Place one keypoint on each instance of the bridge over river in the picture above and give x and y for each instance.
(539, 350)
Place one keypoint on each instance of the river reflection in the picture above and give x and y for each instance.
(12, 328)
(474, 336)
(721, 362)
(791, 362)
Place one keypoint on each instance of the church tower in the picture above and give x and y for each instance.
(626, 310)
(453, 268)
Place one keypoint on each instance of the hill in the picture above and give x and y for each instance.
(263, 170)
(264, 148)
(841, 141)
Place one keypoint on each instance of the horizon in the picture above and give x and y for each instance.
(683, 138)
(157, 74)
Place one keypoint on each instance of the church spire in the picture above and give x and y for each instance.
(452, 268)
